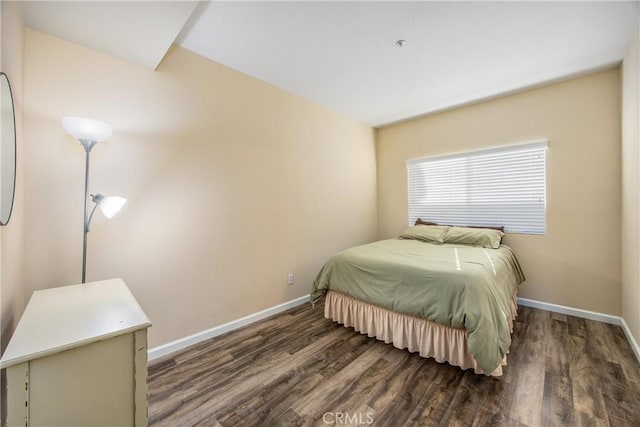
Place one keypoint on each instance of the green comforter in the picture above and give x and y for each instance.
(460, 286)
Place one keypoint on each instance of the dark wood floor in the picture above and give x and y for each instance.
(298, 368)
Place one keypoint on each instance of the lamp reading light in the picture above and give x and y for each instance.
(89, 132)
(109, 205)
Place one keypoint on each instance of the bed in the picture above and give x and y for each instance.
(446, 292)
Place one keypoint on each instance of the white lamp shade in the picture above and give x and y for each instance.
(86, 129)
(111, 205)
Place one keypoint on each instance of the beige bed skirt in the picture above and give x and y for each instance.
(429, 339)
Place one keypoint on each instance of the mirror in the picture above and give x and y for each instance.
(7, 151)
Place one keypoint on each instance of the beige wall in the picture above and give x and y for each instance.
(577, 263)
(231, 183)
(12, 291)
(630, 186)
(11, 235)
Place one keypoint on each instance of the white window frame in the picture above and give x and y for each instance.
(501, 186)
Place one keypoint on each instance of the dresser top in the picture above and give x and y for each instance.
(63, 318)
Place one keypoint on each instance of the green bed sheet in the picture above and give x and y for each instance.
(464, 287)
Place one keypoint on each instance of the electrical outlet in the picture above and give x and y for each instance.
(290, 279)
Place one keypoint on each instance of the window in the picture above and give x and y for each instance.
(500, 186)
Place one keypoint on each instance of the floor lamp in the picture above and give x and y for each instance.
(89, 133)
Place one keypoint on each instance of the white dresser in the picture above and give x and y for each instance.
(79, 358)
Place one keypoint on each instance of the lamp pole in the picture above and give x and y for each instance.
(88, 145)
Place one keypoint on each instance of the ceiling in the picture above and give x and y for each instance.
(343, 55)
(137, 31)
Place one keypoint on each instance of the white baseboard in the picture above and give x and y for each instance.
(631, 339)
(585, 314)
(577, 312)
(185, 342)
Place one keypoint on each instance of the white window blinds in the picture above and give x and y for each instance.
(501, 186)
